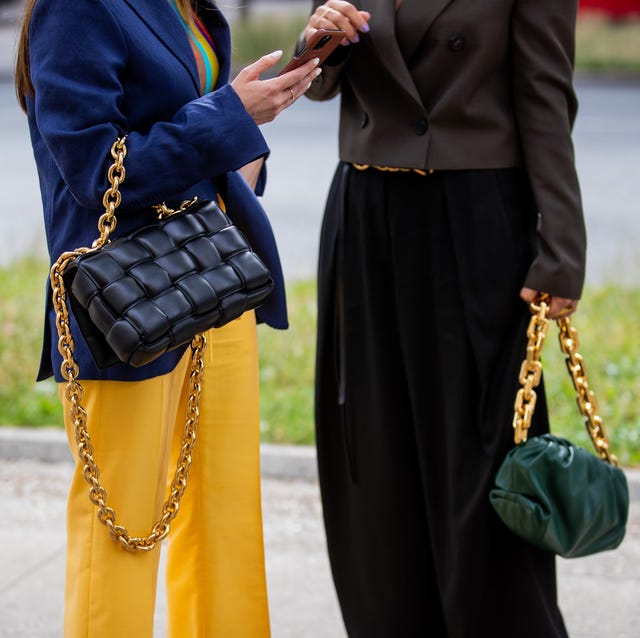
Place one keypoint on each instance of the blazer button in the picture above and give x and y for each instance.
(457, 42)
(421, 126)
(364, 119)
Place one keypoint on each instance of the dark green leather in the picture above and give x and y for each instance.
(561, 497)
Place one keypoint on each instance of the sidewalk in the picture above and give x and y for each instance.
(598, 594)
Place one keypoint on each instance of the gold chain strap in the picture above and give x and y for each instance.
(73, 391)
(531, 373)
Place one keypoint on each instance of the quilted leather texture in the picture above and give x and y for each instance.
(152, 291)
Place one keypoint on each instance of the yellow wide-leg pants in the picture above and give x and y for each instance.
(216, 584)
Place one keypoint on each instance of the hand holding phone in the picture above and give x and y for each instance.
(320, 45)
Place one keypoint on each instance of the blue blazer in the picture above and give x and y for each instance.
(106, 68)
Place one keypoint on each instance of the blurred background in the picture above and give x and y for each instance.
(303, 141)
(304, 152)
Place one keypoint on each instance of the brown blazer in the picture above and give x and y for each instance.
(472, 85)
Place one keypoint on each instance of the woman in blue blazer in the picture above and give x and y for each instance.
(88, 72)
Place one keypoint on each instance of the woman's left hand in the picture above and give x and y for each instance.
(338, 14)
(559, 307)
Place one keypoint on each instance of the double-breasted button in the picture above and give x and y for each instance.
(421, 126)
(457, 42)
(363, 120)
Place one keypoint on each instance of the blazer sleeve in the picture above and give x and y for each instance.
(545, 105)
(79, 69)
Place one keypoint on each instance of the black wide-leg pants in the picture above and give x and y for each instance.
(421, 333)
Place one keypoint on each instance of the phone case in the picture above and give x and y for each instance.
(320, 45)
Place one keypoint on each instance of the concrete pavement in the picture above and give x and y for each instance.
(598, 594)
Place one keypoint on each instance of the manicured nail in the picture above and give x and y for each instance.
(318, 72)
(364, 28)
(308, 86)
(356, 39)
(276, 54)
(315, 61)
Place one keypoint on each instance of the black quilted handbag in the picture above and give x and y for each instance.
(138, 296)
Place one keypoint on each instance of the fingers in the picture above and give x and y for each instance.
(528, 294)
(300, 88)
(303, 74)
(265, 99)
(296, 82)
(559, 307)
(253, 71)
(337, 14)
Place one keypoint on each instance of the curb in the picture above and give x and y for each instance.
(49, 445)
(284, 462)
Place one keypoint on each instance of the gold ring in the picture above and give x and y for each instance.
(293, 97)
(324, 13)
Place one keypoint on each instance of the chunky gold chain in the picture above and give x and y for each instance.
(585, 399)
(112, 196)
(73, 391)
(531, 373)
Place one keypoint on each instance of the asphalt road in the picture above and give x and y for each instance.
(303, 141)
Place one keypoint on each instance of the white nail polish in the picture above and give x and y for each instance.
(318, 72)
(276, 54)
(316, 60)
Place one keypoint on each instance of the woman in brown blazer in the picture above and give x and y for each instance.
(455, 202)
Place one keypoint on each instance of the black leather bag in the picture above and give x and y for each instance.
(138, 296)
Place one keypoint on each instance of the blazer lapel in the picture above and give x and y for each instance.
(383, 21)
(417, 18)
(162, 19)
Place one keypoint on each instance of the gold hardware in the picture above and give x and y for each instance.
(164, 211)
(586, 399)
(73, 391)
(393, 169)
(531, 371)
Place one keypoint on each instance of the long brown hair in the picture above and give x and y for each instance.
(24, 86)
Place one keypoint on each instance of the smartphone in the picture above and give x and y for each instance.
(320, 45)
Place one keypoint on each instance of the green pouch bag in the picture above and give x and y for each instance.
(550, 492)
(561, 497)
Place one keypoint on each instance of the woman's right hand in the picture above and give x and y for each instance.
(337, 14)
(264, 99)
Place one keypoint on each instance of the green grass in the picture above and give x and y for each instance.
(263, 34)
(287, 360)
(22, 401)
(607, 46)
(606, 322)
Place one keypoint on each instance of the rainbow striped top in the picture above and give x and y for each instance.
(203, 47)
